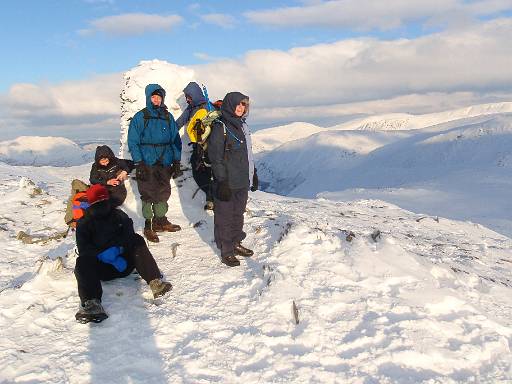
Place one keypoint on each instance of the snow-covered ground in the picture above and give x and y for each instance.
(344, 287)
(382, 295)
(460, 168)
(38, 151)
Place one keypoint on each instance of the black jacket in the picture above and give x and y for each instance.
(228, 152)
(103, 227)
(100, 174)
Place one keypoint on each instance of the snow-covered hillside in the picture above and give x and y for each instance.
(442, 170)
(40, 151)
(403, 121)
(380, 295)
(270, 138)
(345, 288)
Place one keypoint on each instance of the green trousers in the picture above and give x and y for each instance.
(150, 210)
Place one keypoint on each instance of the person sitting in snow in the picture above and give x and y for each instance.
(233, 168)
(155, 145)
(108, 248)
(110, 172)
(201, 170)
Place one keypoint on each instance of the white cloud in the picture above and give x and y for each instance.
(476, 59)
(129, 24)
(377, 14)
(220, 19)
(323, 84)
(66, 108)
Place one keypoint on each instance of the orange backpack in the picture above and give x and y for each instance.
(80, 204)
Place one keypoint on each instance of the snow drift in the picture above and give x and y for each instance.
(40, 151)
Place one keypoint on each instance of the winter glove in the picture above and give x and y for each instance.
(113, 256)
(141, 170)
(176, 169)
(223, 191)
(255, 181)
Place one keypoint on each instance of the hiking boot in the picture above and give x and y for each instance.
(209, 206)
(161, 224)
(159, 287)
(91, 310)
(151, 235)
(240, 250)
(230, 261)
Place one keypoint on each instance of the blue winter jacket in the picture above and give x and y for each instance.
(196, 93)
(155, 139)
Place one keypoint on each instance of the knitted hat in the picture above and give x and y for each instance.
(97, 192)
(158, 92)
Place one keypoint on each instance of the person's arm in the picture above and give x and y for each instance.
(216, 142)
(84, 244)
(183, 119)
(134, 133)
(178, 145)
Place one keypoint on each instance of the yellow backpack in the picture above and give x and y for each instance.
(199, 126)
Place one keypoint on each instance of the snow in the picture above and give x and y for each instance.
(346, 286)
(40, 151)
(459, 169)
(403, 121)
(271, 138)
(422, 300)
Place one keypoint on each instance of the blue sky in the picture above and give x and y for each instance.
(312, 60)
(43, 42)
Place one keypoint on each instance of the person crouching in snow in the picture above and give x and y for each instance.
(155, 145)
(230, 152)
(110, 172)
(108, 248)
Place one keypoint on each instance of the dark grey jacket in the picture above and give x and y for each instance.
(228, 152)
(198, 101)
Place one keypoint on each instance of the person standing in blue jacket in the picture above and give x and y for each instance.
(155, 145)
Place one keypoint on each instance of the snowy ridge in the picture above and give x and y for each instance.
(440, 170)
(41, 151)
(381, 294)
(403, 121)
(271, 138)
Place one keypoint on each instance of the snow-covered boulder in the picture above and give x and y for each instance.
(40, 151)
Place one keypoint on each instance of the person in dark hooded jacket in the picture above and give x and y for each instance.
(110, 172)
(108, 248)
(155, 145)
(230, 152)
(201, 169)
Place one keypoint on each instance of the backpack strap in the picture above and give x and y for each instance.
(147, 117)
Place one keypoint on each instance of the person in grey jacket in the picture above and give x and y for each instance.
(230, 152)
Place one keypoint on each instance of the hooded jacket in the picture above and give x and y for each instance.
(101, 174)
(198, 101)
(229, 152)
(155, 139)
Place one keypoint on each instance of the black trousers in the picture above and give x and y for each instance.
(201, 173)
(229, 221)
(153, 182)
(89, 271)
